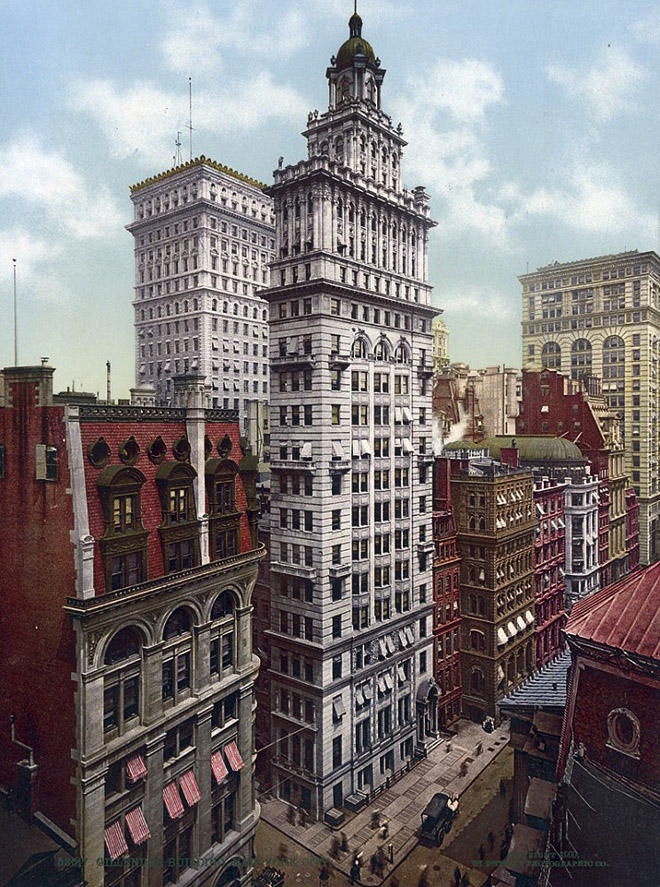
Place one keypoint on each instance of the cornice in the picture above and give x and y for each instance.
(193, 164)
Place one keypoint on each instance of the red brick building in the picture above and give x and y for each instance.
(554, 405)
(447, 597)
(129, 557)
(608, 761)
(549, 560)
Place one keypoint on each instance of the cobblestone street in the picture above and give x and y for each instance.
(402, 805)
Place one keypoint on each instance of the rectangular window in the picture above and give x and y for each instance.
(46, 462)
(126, 570)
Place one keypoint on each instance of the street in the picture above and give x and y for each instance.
(483, 810)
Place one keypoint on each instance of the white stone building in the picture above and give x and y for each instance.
(203, 239)
(351, 364)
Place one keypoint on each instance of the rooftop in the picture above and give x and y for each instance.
(625, 615)
(532, 448)
(576, 263)
(192, 164)
(545, 688)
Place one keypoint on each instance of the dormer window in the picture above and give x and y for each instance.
(225, 522)
(179, 530)
(124, 543)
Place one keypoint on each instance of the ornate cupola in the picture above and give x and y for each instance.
(355, 74)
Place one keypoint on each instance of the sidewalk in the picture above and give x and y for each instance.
(401, 804)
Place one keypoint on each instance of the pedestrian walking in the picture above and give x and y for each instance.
(457, 877)
(465, 881)
(394, 882)
(390, 852)
(324, 874)
(354, 872)
(373, 863)
(384, 829)
(423, 878)
(344, 843)
(502, 787)
(482, 852)
(491, 841)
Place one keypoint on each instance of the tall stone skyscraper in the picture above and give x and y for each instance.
(351, 511)
(601, 317)
(203, 240)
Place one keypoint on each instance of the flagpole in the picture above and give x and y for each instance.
(15, 320)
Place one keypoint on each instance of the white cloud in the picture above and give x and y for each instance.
(647, 29)
(606, 89)
(463, 87)
(592, 200)
(30, 172)
(197, 39)
(445, 110)
(144, 119)
(29, 251)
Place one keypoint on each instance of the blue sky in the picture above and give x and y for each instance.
(534, 124)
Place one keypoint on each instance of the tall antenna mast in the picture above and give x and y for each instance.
(190, 125)
(178, 159)
(15, 320)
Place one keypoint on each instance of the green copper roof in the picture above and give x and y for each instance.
(356, 44)
(463, 445)
(536, 449)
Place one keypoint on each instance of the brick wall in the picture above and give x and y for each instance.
(115, 433)
(598, 693)
(36, 639)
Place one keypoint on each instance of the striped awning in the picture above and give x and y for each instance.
(189, 787)
(172, 800)
(136, 768)
(234, 757)
(115, 840)
(137, 826)
(218, 766)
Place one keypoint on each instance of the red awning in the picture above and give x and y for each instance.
(136, 768)
(218, 766)
(115, 840)
(234, 757)
(172, 800)
(137, 826)
(190, 788)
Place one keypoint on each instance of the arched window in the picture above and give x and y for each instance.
(477, 640)
(121, 682)
(382, 350)
(402, 353)
(222, 656)
(580, 359)
(477, 682)
(359, 349)
(177, 657)
(551, 356)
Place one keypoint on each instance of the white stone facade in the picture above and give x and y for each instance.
(601, 317)
(351, 507)
(581, 541)
(203, 239)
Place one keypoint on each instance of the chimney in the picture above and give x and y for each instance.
(107, 376)
(510, 454)
(19, 380)
(27, 778)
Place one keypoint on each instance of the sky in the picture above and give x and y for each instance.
(533, 124)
